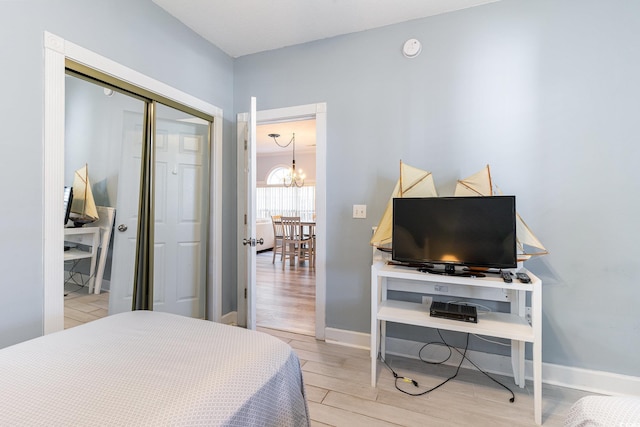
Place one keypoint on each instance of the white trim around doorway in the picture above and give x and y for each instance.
(318, 112)
(56, 51)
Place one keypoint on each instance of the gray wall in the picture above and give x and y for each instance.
(135, 33)
(93, 135)
(546, 92)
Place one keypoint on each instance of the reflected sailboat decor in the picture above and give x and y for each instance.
(83, 206)
(480, 184)
(413, 182)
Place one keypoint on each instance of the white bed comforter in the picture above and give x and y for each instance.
(604, 411)
(151, 368)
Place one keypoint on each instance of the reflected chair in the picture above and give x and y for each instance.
(278, 235)
(294, 244)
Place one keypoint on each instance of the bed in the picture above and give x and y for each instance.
(152, 368)
(601, 411)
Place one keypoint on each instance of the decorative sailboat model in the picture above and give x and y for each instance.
(480, 184)
(413, 182)
(83, 207)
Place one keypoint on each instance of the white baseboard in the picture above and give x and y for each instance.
(347, 338)
(230, 318)
(565, 376)
(589, 380)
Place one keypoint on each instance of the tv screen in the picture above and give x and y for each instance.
(468, 231)
(68, 198)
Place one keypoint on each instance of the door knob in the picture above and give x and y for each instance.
(122, 227)
(252, 242)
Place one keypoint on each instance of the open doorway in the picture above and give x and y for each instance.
(246, 315)
(285, 292)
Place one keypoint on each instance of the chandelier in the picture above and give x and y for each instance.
(295, 177)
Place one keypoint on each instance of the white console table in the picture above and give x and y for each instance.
(512, 325)
(87, 236)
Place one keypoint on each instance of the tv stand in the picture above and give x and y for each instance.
(512, 325)
(450, 270)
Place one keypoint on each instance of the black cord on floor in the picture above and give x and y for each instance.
(415, 383)
(464, 356)
(71, 280)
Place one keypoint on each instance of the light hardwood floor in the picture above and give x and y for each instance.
(339, 393)
(81, 307)
(286, 298)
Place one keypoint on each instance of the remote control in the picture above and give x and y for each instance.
(506, 276)
(523, 278)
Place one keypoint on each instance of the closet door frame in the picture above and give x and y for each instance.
(57, 52)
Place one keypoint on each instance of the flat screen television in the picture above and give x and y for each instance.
(68, 198)
(444, 232)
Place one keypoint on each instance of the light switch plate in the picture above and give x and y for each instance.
(359, 211)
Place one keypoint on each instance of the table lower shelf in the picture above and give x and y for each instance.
(494, 324)
(74, 253)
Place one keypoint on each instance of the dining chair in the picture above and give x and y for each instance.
(294, 244)
(312, 242)
(278, 235)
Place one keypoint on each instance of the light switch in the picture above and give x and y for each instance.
(359, 211)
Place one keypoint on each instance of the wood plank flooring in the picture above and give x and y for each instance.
(285, 298)
(81, 307)
(339, 392)
(337, 378)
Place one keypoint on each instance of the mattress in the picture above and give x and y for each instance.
(152, 368)
(602, 411)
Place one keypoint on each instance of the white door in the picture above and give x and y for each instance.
(181, 211)
(124, 234)
(247, 208)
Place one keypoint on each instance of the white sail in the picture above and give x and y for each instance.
(83, 206)
(526, 237)
(480, 184)
(413, 182)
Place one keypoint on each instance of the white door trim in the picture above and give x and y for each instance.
(319, 113)
(57, 50)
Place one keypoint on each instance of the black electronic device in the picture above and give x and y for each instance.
(450, 310)
(68, 198)
(523, 277)
(506, 276)
(475, 232)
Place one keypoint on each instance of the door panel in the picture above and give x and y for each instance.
(159, 279)
(246, 123)
(124, 235)
(180, 211)
(182, 200)
(188, 271)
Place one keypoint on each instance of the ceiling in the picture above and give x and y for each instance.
(243, 27)
(305, 131)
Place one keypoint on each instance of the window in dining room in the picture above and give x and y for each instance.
(273, 198)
